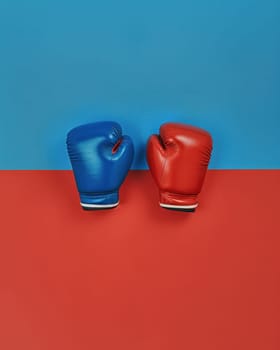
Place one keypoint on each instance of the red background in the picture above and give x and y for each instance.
(139, 276)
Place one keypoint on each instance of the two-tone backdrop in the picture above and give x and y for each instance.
(139, 277)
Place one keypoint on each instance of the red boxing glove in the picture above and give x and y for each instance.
(178, 159)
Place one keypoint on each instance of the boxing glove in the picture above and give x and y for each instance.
(100, 158)
(178, 159)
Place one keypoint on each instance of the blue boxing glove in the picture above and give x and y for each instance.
(100, 158)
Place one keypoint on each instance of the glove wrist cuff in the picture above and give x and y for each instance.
(99, 200)
(178, 201)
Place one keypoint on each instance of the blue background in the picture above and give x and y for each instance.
(214, 64)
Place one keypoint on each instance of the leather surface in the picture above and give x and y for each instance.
(178, 159)
(100, 158)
